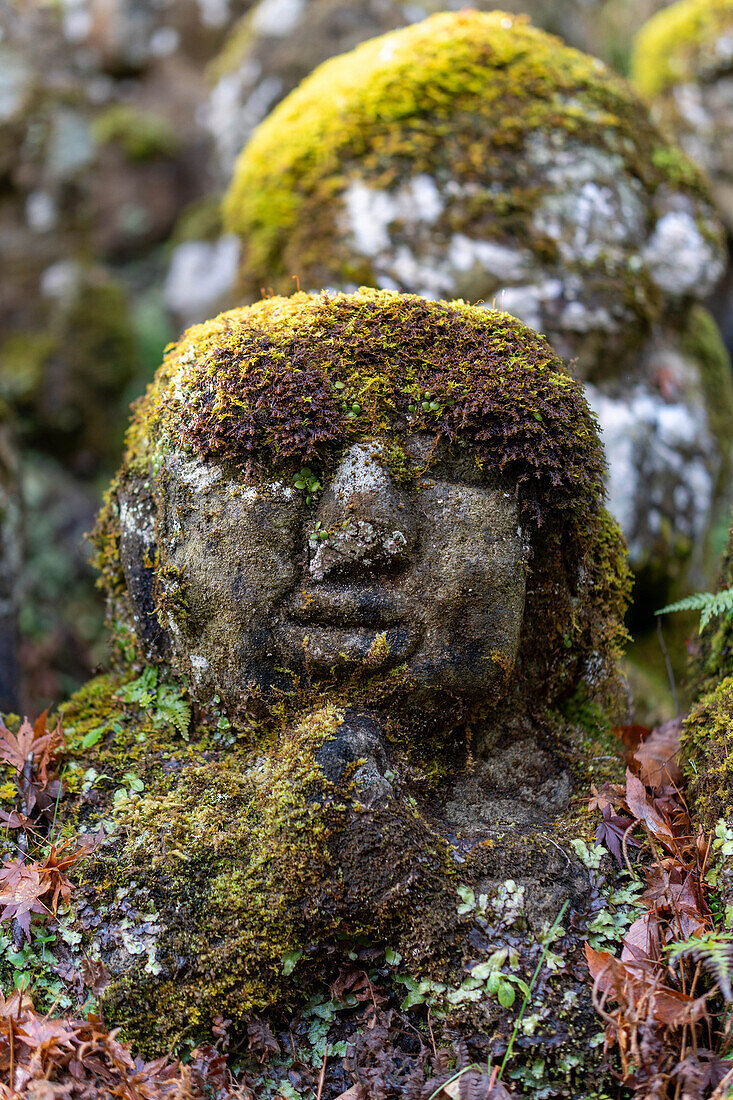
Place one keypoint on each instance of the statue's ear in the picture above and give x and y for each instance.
(139, 554)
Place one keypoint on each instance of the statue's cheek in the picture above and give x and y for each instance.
(470, 591)
(238, 562)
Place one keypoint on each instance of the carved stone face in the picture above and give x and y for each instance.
(422, 569)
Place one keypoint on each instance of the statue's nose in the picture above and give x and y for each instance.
(365, 522)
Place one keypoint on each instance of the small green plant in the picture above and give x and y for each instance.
(713, 951)
(709, 604)
(319, 532)
(163, 702)
(290, 958)
(31, 968)
(306, 479)
(553, 933)
(133, 786)
(350, 408)
(322, 1013)
(426, 403)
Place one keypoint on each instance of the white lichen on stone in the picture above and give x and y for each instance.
(680, 259)
(663, 462)
(277, 18)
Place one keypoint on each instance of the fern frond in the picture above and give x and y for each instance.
(709, 604)
(714, 952)
(173, 709)
(721, 604)
(164, 702)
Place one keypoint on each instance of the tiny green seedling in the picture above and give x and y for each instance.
(306, 479)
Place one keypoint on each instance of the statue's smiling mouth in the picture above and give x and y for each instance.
(351, 606)
(341, 625)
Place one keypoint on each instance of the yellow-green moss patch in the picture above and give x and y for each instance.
(679, 45)
(708, 754)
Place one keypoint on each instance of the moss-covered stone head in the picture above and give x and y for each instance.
(681, 62)
(472, 155)
(369, 491)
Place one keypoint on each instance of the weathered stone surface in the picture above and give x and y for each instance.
(577, 216)
(367, 533)
(450, 540)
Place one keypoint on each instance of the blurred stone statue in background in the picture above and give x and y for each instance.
(682, 64)
(274, 46)
(100, 153)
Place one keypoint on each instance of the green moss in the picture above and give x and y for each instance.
(243, 878)
(455, 96)
(290, 381)
(708, 755)
(248, 862)
(702, 342)
(141, 135)
(112, 736)
(677, 45)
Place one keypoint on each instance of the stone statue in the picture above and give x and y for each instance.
(681, 63)
(362, 584)
(556, 198)
(269, 51)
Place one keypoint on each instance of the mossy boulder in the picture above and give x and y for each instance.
(682, 63)
(385, 175)
(367, 745)
(473, 155)
(707, 728)
(707, 738)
